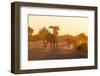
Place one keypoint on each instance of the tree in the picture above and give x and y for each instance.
(42, 35)
(55, 29)
(48, 37)
(30, 32)
(55, 36)
(82, 38)
(71, 41)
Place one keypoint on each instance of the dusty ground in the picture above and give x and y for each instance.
(37, 52)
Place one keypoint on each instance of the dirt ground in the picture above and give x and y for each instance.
(37, 52)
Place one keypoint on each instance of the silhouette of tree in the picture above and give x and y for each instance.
(42, 33)
(55, 29)
(30, 31)
(55, 36)
(71, 41)
(82, 38)
(48, 37)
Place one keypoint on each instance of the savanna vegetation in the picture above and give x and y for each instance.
(50, 45)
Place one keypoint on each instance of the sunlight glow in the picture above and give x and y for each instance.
(67, 25)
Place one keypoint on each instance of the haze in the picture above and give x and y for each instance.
(67, 25)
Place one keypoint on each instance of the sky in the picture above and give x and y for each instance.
(67, 25)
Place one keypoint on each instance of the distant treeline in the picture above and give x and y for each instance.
(53, 38)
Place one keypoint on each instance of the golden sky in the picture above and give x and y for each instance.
(67, 25)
